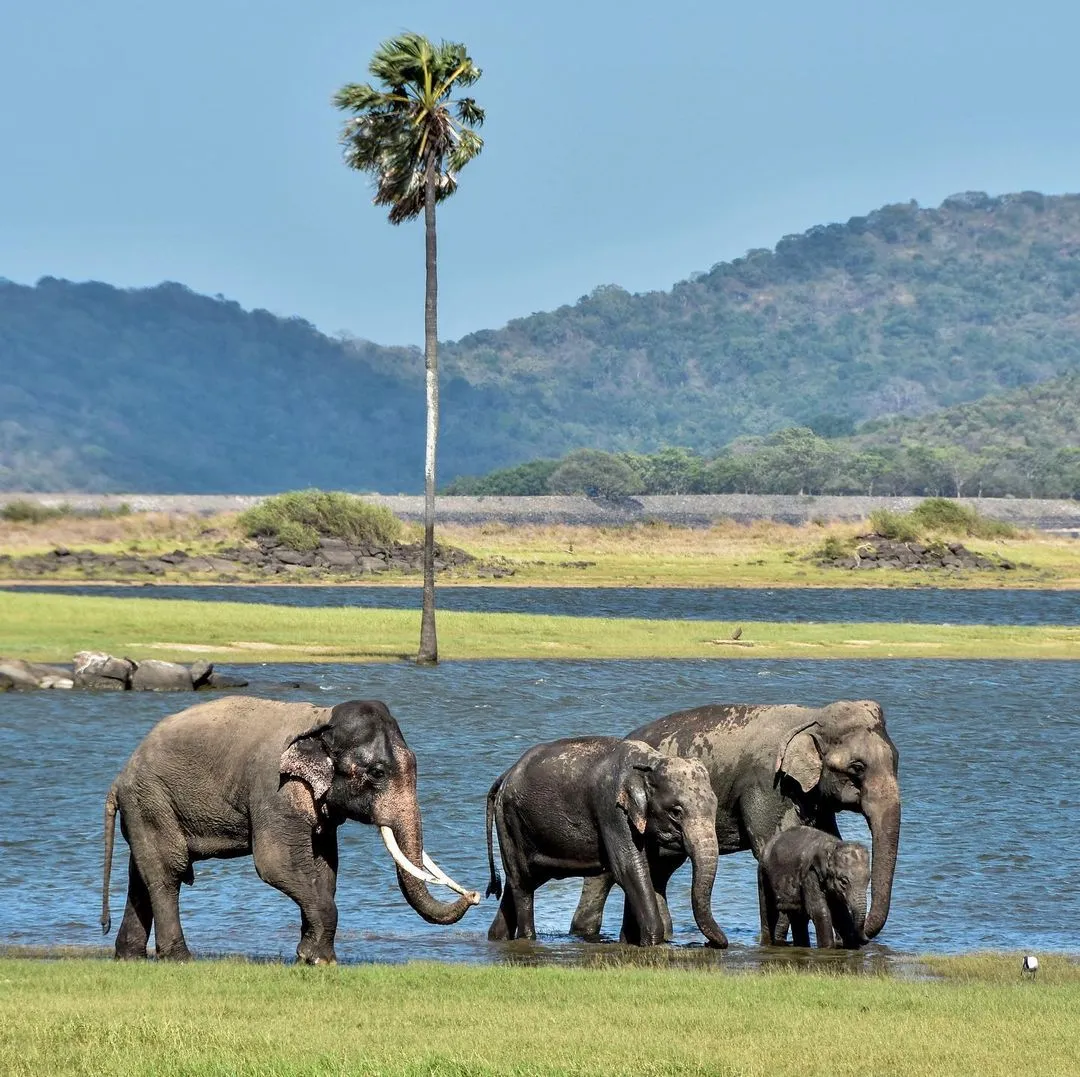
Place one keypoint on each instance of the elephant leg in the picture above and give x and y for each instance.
(160, 852)
(662, 871)
(134, 933)
(643, 924)
(589, 914)
(523, 904)
(768, 912)
(818, 909)
(307, 873)
(800, 929)
(504, 926)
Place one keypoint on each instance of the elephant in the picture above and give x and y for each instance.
(588, 804)
(245, 776)
(811, 875)
(773, 767)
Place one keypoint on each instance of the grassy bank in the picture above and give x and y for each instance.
(728, 554)
(98, 1017)
(50, 628)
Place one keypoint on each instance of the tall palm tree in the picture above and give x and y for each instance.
(414, 140)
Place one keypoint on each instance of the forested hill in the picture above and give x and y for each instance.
(164, 390)
(900, 312)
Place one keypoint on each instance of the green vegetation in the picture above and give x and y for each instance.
(948, 517)
(894, 525)
(301, 517)
(780, 356)
(23, 511)
(100, 1017)
(51, 628)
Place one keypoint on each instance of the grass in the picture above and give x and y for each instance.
(51, 628)
(99, 1017)
(650, 554)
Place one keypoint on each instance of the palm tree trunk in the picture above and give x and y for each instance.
(428, 654)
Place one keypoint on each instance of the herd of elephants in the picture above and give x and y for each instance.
(247, 776)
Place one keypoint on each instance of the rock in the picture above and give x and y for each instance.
(342, 558)
(223, 680)
(6, 683)
(175, 557)
(294, 557)
(371, 564)
(26, 675)
(96, 664)
(201, 673)
(153, 675)
(97, 683)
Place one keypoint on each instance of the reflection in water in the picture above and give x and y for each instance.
(988, 856)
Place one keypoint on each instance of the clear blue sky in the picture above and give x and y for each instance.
(626, 143)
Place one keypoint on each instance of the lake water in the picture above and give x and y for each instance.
(989, 856)
(916, 605)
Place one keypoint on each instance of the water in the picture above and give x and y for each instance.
(989, 856)
(916, 605)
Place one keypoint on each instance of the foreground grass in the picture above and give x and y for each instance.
(97, 1017)
(51, 628)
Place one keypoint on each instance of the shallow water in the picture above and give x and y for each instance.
(989, 856)
(915, 605)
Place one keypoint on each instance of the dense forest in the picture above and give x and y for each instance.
(836, 338)
(1025, 443)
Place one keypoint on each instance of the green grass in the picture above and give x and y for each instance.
(99, 1017)
(51, 628)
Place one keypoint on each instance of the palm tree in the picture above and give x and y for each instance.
(414, 140)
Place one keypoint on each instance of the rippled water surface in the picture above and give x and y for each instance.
(917, 605)
(989, 858)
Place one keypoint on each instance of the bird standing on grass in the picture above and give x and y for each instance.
(1029, 966)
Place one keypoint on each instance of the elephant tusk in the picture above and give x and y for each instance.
(442, 877)
(401, 859)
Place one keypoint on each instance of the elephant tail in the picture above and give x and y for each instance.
(494, 887)
(110, 833)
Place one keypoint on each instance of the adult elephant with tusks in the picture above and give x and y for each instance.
(775, 767)
(244, 776)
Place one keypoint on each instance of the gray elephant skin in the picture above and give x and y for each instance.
(811, 875)
(589, 804)
(244, 776)
(773, 767)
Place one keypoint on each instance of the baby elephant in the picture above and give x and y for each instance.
(588, 805)
(811, 875)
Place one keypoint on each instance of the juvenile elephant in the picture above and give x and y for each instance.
(774, 767)
(590, 804)
(243, 776)
(811, 875)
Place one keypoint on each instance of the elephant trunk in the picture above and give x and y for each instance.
(704, 853)
(882, 813)
(407, 834)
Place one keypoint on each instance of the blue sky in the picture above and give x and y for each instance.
(626, 143)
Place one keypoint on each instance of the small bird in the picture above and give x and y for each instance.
(737, 633)
(1029, 966)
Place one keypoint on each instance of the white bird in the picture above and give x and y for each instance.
(1029, 966)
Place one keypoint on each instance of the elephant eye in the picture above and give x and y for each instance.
(857, 769)
(376, 770)
(676, 811)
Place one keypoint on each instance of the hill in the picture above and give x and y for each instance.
(161, 389)
(900, 312)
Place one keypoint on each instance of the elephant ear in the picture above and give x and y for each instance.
(305, 757)
(800, 758)
(633, 783)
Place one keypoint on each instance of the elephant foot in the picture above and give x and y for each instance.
(174, 953)
(312, 953)
(130, 953)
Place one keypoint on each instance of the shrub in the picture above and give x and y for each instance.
(949, 517)
(833, 548)
(898, 526)
(300, 518)
(30, 512)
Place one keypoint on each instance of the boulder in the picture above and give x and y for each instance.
(223, 680)
(25, 675)
(93, 666)
(201, 672)
(152, 675)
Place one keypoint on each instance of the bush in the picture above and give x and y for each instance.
(898, 526)
(30, 512)
(949, 517)
(833, 548)
(300, 518)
